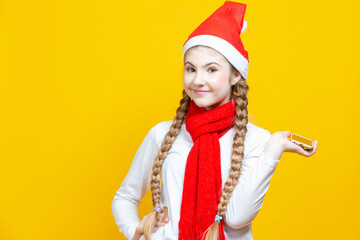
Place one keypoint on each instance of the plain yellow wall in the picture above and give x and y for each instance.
(82, 82)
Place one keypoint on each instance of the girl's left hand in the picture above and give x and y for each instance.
(280, 143)
(158, 223)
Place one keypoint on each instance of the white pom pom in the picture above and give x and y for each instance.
(244, 26)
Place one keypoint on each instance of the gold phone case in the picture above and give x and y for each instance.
(303, 142)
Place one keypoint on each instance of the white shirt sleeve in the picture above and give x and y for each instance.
(254, 181)
(136, 183)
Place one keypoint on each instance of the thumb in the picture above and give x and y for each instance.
(287, 133)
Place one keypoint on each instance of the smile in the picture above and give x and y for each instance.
(200, 92)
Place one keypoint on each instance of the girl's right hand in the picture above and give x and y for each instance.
(280, 143)
(158, 223)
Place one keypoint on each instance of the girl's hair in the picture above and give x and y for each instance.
(241, 119)
(170, 137)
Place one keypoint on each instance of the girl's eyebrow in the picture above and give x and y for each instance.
(204, 65)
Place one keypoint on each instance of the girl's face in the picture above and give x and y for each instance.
(208, 77)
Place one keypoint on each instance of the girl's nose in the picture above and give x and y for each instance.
(199, 79)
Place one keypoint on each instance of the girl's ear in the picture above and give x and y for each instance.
(236, 76)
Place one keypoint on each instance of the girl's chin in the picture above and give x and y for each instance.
(202, 104)
(206, 104)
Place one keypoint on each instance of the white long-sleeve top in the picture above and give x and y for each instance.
(246, 200)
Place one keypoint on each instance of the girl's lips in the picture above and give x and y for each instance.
(200, 92)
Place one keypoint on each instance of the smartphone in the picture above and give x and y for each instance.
(303, 142)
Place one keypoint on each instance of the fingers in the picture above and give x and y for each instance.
(162, 219)
(287, 133)
(160, 223)
(308, 153)
(315, 144)
(293, 147)
(314, 148)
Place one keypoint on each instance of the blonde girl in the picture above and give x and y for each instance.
(213, 165)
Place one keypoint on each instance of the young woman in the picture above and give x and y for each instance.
(215, 166)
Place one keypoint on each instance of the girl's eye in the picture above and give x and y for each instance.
(190, 69)
(212, 69)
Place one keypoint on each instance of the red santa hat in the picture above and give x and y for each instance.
(221, 31)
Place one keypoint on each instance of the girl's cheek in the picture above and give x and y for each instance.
(220, 82)
(186, 82)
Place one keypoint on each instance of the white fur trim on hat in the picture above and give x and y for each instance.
(244, 26)
(222, 46)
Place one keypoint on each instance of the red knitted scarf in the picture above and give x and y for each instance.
(202, 183)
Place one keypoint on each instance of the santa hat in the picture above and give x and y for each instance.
(221, 31)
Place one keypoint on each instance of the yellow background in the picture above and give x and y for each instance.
(82, 82)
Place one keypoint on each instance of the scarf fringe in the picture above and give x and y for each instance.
(192, 230)
(196, 230)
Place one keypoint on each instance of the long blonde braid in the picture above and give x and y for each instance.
(170, 137)
(241, 120)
